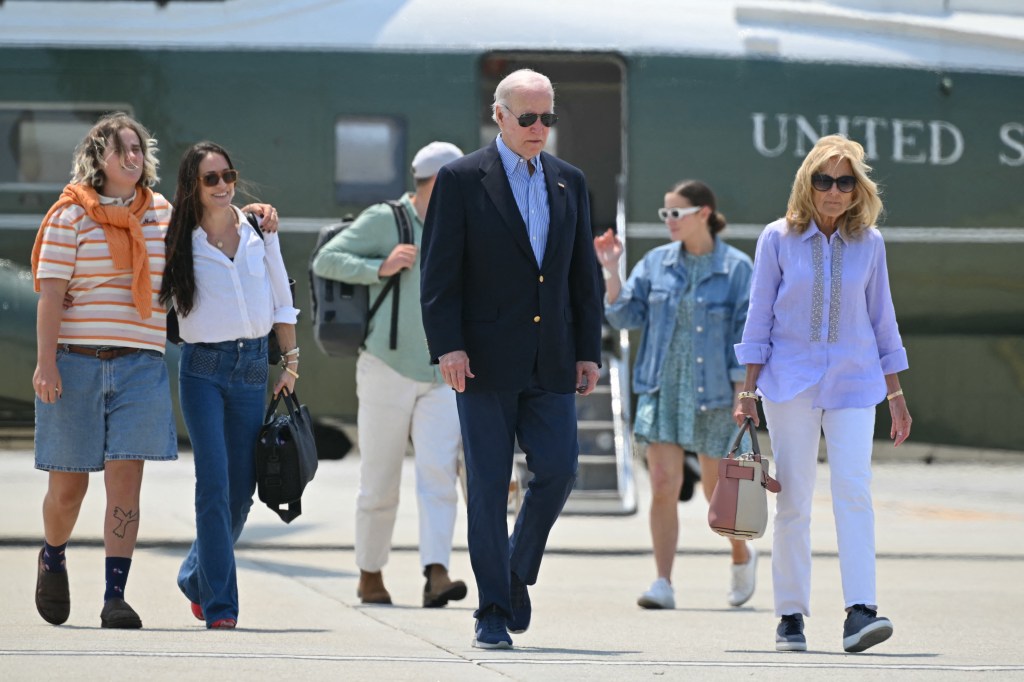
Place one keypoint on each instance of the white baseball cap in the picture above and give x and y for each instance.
(429, 160)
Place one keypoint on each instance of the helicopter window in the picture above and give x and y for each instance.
(369, 158)
(38, 142)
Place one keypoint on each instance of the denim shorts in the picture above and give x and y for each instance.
(118, 409)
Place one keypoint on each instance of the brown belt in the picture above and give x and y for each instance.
(104, 353)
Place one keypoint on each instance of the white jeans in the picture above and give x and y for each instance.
(391, 409)
(795, 427)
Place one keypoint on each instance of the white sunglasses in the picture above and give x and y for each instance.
(677, 213)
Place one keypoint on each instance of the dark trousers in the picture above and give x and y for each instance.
(545, 424)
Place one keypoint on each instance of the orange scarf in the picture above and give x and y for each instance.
(122, 228)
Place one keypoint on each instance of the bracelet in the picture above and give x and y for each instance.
(743, 395)
(292, 372)
(293, 351)
(289, 362)
(894, 394)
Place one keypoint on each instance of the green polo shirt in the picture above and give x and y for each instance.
(355, 256)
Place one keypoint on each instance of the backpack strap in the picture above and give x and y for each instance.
(255, 222)
(402, 222)
(404, 237)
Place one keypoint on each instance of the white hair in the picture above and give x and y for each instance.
(523, 79)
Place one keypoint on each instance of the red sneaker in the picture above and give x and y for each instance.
(223, 624)
(197, 611)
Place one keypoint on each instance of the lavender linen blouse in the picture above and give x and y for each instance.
(821, 313)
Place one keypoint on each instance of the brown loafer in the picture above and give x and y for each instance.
(371, 588)
(118, 614)
(440, 589)
(53, 598)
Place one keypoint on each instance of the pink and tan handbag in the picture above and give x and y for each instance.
(739, 505)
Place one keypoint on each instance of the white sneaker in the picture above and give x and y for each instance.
(659, 596)
(744, 579)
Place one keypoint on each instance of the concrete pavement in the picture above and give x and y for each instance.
(950, 541)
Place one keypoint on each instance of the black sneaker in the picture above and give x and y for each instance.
(864, 628)
(53, 599)
(789, 636)
(519, 598)
(118, 614)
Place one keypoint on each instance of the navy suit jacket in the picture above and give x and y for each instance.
(482, 290)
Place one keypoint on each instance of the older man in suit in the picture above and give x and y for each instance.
(512, 312)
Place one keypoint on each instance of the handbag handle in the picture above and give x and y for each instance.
(769, 483)
(748, 426)
(291, 403)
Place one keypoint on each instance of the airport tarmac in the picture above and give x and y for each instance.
(950, 542)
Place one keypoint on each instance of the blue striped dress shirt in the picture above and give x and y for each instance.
(531, 196)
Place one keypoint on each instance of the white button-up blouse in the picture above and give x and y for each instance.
(240, 298)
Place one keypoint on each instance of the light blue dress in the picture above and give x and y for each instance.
(670, 415)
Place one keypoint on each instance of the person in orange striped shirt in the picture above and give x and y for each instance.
(102, 395)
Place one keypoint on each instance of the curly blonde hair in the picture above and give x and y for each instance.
(87, 164)
(866, 205)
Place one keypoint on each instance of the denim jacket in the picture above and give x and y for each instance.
(650, 299)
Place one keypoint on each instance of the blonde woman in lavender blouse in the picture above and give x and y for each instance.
(822, 349)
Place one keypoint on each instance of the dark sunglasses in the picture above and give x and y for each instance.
(213, 178)
(527, 120)
(823, 183)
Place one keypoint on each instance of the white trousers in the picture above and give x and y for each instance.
(795, 427)
(393, 408)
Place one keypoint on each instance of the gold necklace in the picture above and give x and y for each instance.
(220, 244)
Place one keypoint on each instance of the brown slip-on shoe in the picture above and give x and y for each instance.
(118, 614)
(53, 598)
(440, 589)
(371, 588)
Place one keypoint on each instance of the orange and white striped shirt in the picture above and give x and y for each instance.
(74, 248)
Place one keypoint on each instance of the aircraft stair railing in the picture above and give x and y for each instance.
(605, 483)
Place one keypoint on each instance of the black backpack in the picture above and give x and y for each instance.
(341, 311)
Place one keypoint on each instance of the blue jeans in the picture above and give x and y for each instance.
(222, 387)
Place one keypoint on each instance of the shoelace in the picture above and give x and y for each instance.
(792, 625)
(865, 610)
(492, 624)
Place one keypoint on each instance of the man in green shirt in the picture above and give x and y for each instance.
(401, 395)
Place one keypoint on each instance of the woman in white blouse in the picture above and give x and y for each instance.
(229, 287)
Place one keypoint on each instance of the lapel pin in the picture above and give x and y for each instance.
(561, 185)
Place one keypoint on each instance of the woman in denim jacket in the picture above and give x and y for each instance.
(690, 298)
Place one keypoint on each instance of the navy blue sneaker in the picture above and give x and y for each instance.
(491, 632)
(789, 636)
(864, 628)
(519, 596)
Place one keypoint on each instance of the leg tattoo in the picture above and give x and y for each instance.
(125, 518)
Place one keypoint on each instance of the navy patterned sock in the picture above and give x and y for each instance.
(53, 557)
(117, 576)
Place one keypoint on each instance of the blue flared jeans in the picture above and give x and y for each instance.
(222, 388)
